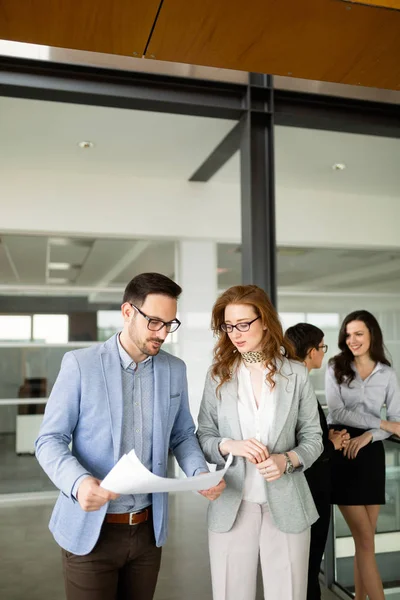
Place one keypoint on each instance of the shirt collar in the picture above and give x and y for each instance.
(126, 360)
(378, 367)
(243, 369)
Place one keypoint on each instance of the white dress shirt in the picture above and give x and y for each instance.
(255, 423)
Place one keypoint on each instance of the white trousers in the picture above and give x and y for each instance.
(234, 558)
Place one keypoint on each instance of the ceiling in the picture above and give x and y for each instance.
(99, 269)
(304, 159)
(322, 270)
(327, 40)
(45, 135)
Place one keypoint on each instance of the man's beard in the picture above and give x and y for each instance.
(145, 346)
(149, 349)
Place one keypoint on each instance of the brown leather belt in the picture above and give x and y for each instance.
(129, 518)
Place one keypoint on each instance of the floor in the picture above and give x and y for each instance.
(19, 474)
(30, 560)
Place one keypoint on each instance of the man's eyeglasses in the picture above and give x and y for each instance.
(158, 324)
(324, 348)
(228, 328)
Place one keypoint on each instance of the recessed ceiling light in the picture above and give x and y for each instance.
(59, 266)
(58, 280)
(339, 167)
(85, 145)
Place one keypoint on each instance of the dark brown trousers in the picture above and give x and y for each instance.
(123, 565)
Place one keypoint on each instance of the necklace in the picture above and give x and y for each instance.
(253, 357)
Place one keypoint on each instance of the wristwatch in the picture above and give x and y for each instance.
(289, 465)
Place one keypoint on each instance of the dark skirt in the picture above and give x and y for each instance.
(359, 481)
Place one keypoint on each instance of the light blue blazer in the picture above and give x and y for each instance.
(85, 406)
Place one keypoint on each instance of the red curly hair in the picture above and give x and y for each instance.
(274, 345)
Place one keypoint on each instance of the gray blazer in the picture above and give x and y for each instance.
(296, 427)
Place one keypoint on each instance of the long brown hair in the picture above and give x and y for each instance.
(342, 362)
(274, 346)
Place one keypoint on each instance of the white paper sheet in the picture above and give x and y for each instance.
(130, 476)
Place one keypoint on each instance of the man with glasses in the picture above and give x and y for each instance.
(109, 398)
(308, 342)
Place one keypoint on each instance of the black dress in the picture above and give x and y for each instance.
(319, 480)
(359, 481)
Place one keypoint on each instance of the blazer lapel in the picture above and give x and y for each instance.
(111, 368)
(160, 412)
(285, 381)
(229, 398)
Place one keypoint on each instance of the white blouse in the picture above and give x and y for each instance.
(255, 423)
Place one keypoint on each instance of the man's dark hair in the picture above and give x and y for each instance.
(304, 338)
(144, 284)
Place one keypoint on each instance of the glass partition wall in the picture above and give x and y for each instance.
(337, 200)
(40, 323)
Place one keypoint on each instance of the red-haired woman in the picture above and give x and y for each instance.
(259, 406)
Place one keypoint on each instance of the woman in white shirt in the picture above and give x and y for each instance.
(359, 382)
(259, 406)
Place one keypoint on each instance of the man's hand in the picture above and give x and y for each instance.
(251, 449)
(356, 444)
(91, 496)
(340, 439)
(214, 492)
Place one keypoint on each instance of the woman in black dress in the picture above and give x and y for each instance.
(359, 381)
(308, 342)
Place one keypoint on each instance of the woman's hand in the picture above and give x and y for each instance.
(396, 429)
(355, 444)
(251, 449)
(273, 468)
(340, 439)
(214, 492)
(392, 427)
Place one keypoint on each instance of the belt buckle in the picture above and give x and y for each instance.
(145, 511)
(131, 515)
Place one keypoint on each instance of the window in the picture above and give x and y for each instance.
(50, 329)
(288, 319)
(15, 328)
(108, 323)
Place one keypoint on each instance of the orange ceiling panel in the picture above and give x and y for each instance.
(324, 40)
(109, 26)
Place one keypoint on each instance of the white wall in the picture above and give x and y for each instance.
(319, 218)
(123, 206)
(41, 202)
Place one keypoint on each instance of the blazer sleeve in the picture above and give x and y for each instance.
(183, 441)
(208, 432)
(308, 428)
(59, 422)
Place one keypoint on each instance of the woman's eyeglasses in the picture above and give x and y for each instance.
(228, 327)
